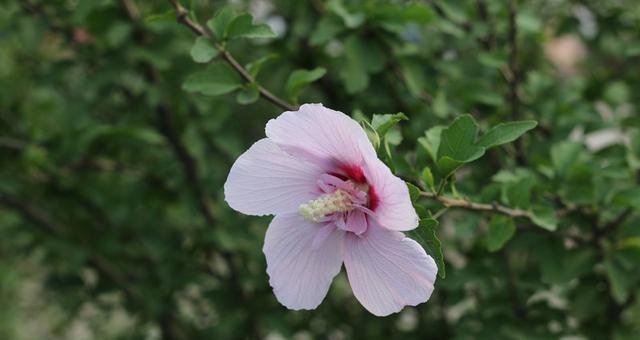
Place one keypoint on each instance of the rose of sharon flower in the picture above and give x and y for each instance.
(334, 201)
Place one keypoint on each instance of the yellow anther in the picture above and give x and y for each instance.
(315, 210)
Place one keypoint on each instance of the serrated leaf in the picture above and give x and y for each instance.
(220, 21)
(505, 133)
(248, 94)
(301, 78)
(242, 26)
(217, 79)
(501, 229)
(457, 145)
(203, 50)
(425, 235)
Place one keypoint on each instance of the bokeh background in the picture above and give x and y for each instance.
(112, 218)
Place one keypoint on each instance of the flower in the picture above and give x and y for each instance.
(334, 201)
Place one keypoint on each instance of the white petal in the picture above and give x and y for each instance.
(326, 137)
(265, 180)
(300, 273)
(388, 271)
(394, 210)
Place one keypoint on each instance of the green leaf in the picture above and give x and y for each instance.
(505, 133)
(242, 27)
(301, 78)
(362, 56)
(203, 50)
(248, 94)
(501, 229)
(254, 67)
(327, 28)
(217, 79)
(414, 192)
(545, 217)
(431, 141)
(384, 122)
(425, 235)
(413, 75)
(620, 282)
(168, 16)
(440, 105)
(551, 259)
(427, 177)
(630, 242)
(351, 20)
(457, 145)
(220, 21)
(371, 132)
(563, 155)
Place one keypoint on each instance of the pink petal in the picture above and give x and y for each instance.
(394, 209)
(388, 271)
(357, 222)
(299, 273)
(321, 135)
(265, 180)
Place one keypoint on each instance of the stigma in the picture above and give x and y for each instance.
(316, 210)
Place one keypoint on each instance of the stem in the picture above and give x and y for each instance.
(469, 205)
(182, 16)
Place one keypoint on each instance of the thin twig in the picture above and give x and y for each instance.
(469, 205)
(189, 163)
(182, 16)
(41, 219)
(30, 213)
(613, 224)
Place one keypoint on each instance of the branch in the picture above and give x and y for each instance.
(41, 219)
(30, 213)
(12, 143)
(188, 163)
(469, 205)
(182, 16)
(613, 224)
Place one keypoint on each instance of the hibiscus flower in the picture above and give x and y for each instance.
(334, 201)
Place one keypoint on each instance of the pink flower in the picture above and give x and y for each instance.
(334, 201)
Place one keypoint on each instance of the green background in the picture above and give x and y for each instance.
(112, 218)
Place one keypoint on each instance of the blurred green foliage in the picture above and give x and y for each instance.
(112, 215)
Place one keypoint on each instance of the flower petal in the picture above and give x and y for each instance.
(265, 180)
(321, 135)
(388, 271)
(300, 273)
(394, 209)
(357, 222)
